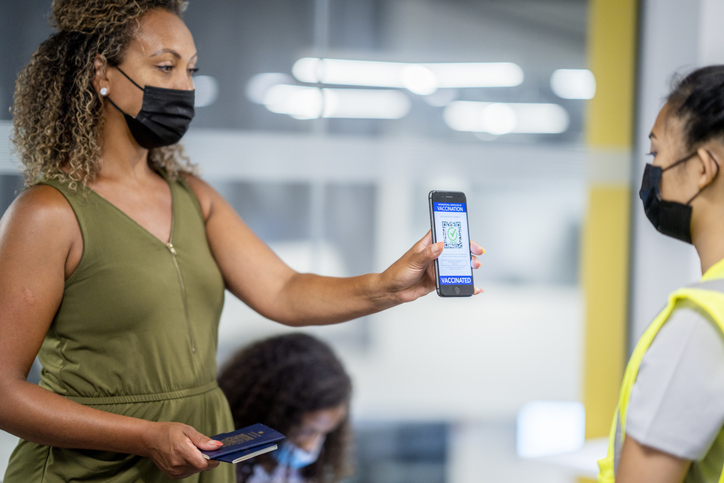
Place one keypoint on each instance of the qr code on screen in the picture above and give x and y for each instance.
(451, 234)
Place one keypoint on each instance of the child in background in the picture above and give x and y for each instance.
(295, 384)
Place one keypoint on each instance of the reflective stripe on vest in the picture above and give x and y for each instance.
(709, 296)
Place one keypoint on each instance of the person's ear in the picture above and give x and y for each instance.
(708, 168)
(101, 83)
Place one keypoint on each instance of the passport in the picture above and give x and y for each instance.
(245, 443)
(248, 454)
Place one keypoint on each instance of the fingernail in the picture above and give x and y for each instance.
(437, 247)
(218, 443)
(483, 249)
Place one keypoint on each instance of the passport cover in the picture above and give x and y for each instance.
(244, 439)
(246, 454)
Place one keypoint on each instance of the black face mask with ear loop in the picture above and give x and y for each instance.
(164, 116)
(670, 218)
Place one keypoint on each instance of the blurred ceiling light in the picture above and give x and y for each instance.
(573, 83)
(301, 102)
(418, 79)
(477, 74)
(499, 118)
(349, 72)
(546, 428)
(441, 97)
(258, 85)
(422, 79)
(206, 90)
(307, 69)
(365, 103)
(297, 101)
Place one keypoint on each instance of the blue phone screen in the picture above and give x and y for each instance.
(451, 227)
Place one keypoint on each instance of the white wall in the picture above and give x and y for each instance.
(435, 359)
(711, 35)
(453, 360)
(676, 37)
(670, 43)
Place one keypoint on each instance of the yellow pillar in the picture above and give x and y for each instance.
(605, 254)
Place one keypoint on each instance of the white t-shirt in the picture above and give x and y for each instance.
(677, 401)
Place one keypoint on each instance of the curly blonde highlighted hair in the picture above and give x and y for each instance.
(57, 114)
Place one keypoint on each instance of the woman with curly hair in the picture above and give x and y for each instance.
(114, 260)
(296, 384)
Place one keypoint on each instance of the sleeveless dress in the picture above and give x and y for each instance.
(135, 334)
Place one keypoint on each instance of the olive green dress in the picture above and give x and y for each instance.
(135, 334)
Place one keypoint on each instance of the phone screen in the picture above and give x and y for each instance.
(450, 226)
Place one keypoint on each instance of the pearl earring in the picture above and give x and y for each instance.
(104, 91)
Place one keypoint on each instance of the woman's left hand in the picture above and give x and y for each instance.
(413, 275)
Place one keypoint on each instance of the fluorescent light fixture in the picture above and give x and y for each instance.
(477, 74)
(422, 79)
(349, 72)
(308, 69)
(441, 97)
(365, 103)
(258, 85)
(547, 428)
(498, 119)
(302, 102)
(418, 79)
(573, 83)
(504, 118)
(207, 90)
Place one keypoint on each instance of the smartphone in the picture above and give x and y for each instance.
(449, 224)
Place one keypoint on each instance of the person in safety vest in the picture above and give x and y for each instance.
(668, 425)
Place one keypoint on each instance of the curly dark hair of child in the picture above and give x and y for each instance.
(57, 114)
(276, 382)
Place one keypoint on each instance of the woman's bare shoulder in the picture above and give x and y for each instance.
(40, 210)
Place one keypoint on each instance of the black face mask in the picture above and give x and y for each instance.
(670, 218)
(164, 116)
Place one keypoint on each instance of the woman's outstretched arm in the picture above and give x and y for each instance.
(257, 276)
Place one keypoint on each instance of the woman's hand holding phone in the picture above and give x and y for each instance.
(413, 275)
(449, 224)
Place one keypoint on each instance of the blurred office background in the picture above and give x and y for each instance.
(326, 123)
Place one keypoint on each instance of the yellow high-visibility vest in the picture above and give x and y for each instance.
(704, 296)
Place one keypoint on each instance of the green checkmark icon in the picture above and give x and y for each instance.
(452, 234)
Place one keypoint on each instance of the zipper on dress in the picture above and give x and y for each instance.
(171, 249)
